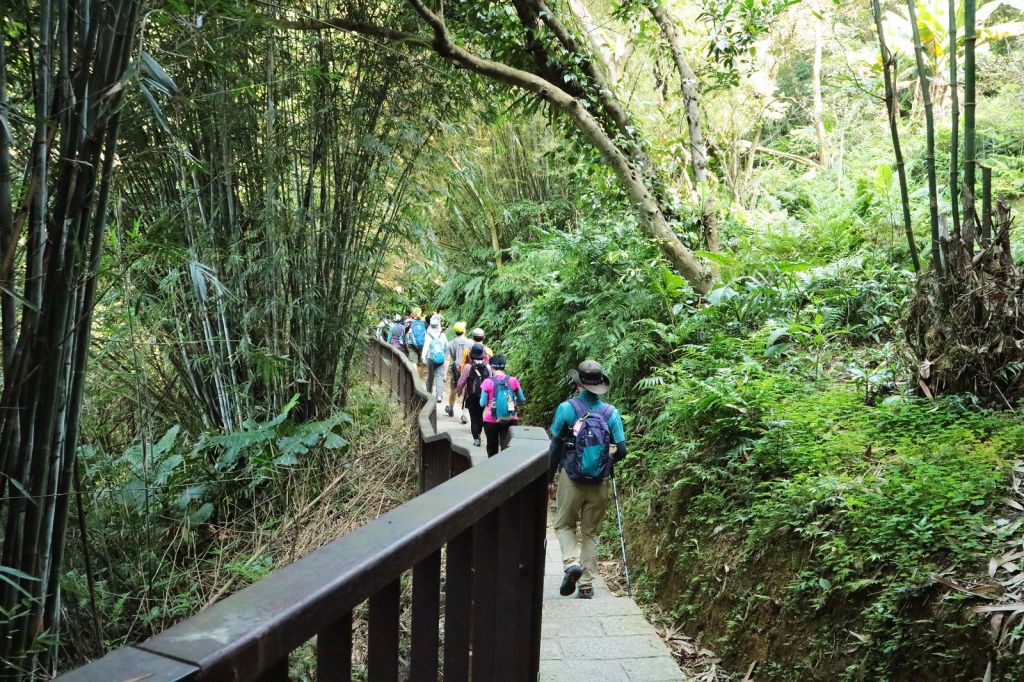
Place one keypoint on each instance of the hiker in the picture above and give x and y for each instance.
(470, 386)
(457, 349)
(383, 328)
(417, 333)
(502, 395)
(478, 337)
(396, 337)
(435, 346)
(587, 439)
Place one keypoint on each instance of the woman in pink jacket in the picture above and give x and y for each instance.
(501, 396)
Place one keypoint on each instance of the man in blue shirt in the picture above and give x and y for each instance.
(582, 504)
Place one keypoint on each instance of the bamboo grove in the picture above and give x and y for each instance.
(967, 308)
(262, 187)
(61, 91)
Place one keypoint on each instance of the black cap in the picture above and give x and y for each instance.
(477, 351)
(590, 375)
(498, 362)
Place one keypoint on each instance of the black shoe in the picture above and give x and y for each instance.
(585, 593)
(572, 574)
(448, 411)
(476, 442)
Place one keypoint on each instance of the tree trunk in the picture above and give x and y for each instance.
(698, 148)
(888, 70)
(596, 37)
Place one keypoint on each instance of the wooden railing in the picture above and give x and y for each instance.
(484, 529)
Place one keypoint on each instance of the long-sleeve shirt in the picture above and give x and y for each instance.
(460, 387)
(487, 394)
(565, 418)
(428, 339)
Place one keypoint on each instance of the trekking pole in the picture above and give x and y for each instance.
(622, 538)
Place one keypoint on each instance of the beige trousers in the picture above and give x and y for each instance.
(584, 505)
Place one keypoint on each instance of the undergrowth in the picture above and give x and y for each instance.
(199, 516)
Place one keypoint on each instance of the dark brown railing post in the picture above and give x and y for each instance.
(458, 623)
(534, 544)
(334, 651)
(426, 610)
(382, 647)
(485, 569)
(275, 673)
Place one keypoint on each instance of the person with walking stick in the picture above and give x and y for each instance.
(587, 439)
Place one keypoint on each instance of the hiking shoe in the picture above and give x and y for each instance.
(464, 420)
(448, 411)
(572, 574)
(438, 400)
(476, 442)
(585, 593)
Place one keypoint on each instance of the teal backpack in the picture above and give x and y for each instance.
(503, 406)
(436, 349)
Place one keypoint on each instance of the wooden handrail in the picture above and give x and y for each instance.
(490, 520)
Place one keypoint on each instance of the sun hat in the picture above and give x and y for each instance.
(417, 312)
(478, 334)
(477, 352)
(498, 362)
(435, 321)
(590, 375)
(459, 327)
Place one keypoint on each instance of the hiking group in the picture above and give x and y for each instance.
(491, 398)
(587, 434)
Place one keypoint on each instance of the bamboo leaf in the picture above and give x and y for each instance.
(6, 571)
(157, 75)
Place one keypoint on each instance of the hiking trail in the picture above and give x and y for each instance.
(604, 638)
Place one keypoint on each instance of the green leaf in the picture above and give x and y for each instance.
(333, 441)
(192, 494)
(165, 443)
(200, 515)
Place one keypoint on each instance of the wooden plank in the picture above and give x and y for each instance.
(536, 500)
(334, 651)
(485, 595)
(277, 672)
(512, 644)
(382, 648)
(458, 622)
(426, 614)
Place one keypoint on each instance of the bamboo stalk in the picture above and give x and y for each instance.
(970, 99)
(929, 116)
(954, 147)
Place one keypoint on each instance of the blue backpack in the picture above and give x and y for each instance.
(437, 349)
(419, 333)
(587, 459)
(503, 404)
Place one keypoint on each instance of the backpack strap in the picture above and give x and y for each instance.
(578, 406)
